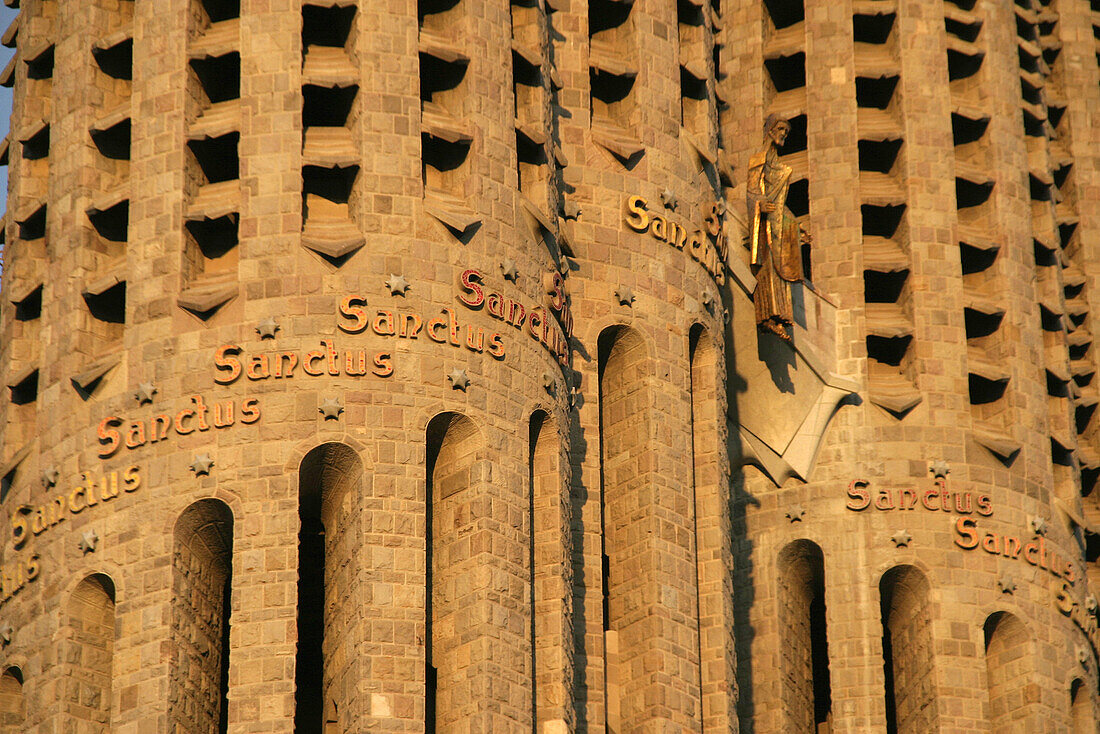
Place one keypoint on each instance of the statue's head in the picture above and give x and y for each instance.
(776, 130)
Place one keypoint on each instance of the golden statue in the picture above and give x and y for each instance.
(774, 234)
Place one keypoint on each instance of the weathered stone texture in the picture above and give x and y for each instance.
(514, 539)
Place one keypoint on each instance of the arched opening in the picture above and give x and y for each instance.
(624, 433)
(1010, 665)
(12, 711)
(908, 659)
(478, 641)
(714, 562)
(807, 695)
(648, 524)
(551, 592)
(1082, 716)
(89, 650)
(329, 480)
(454, 470)
(202, 574)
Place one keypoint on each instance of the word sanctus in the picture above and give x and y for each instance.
(441, 329)
(15, 575)
(513, 313)
(281, 365)
(697, 242)
(935, 499)
(1034, 552)
(196, 417)
(1082, 618)
(27, 521)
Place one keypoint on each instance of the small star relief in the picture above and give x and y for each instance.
(202, 464)
(398, 285)
(267, 328)
(796, 513)
(508, 267)
(50, 477)
(625, 296)
(939, 469)
(548, 382)
(669, 199)
(331, 409)
(6, 632)
(901, 539)
(89, 539)
(571, 210)
(1037, 524)
(458, 379)
(1006, 584)
(145, 393)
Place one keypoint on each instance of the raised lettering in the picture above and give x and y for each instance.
(352, 308)
(966, 535)
(227, 364)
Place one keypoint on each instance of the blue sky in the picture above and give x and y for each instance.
(6, 16)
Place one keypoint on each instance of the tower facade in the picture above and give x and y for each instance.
(402, 367)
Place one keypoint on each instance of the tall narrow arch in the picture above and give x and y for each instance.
(648, 524)
(202, 577)
(89, 650)
(453, 442)
(624, 437)
(907, 649)
(1081, 708)
(807, 695)
(1010, 668)
(713, 531)
(12, 707)
(551, 588)
(330, 478)
(478, 646)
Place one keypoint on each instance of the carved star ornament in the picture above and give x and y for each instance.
(202, 465)
(330, 409)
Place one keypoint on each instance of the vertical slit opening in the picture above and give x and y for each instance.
(217, 157)
(41, 67)
(603, 15)
(879, 287)
(219, 10)
(109, 305)
(30, 307)
(327, 106)
(37, 146)
(874, 29)
(785, 13)
(215, 238)
(220, 76)
(114, 142)
(878, 155)
(888, 350)
(875, 92)
(112, 224)
(326, 26)
(309, 662)
(117, 61)
(787, 72)
(26, 390)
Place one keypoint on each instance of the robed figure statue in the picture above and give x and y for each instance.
(775, 237)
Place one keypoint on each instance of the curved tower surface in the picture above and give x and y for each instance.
(550, 365)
